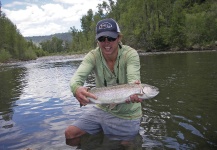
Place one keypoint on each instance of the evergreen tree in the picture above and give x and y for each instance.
(153, 24)
(12, 44)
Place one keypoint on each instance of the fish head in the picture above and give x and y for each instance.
(149, 91)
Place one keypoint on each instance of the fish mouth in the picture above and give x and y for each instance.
(150, 91)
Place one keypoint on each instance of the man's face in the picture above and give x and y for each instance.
(108, 45)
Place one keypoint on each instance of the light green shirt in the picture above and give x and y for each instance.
(126, 69)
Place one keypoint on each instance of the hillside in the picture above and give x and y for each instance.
(38, 39)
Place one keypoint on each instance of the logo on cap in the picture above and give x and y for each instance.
(105, 25)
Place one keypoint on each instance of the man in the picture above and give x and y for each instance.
(112, 63)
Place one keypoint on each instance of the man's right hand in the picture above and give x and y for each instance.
(81, 95)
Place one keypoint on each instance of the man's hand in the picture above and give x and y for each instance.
(134, 98)
(81, 95)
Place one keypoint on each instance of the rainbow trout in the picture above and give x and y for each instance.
(120, 93)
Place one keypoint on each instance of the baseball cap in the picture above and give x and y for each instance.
(107, 27)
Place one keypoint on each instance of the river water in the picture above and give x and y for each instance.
(36, 104)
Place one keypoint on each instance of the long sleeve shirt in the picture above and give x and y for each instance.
(126, 70)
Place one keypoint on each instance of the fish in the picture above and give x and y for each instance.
(120, 93)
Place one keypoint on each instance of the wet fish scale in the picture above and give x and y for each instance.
(120, 93)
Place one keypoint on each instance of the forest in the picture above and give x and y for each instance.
(146, 25)
(154, 25)
(13, 45)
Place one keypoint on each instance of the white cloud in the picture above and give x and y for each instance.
(16, 3)
(42, 18)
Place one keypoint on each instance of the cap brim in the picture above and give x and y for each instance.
(107, 33)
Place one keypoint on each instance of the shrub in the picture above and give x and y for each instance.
(4, 55)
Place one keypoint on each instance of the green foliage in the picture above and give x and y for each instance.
(4, 55)
(39, 52)
(12, 44)
(153, 24)
(29, 54)
(201, 27)
(55, 45)
(145, 24)
(177, 35)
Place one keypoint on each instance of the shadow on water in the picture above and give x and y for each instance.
(11, 84)
(102, 142)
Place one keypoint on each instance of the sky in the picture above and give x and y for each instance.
(46, 17)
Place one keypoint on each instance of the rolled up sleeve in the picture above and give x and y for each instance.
(82, 72)
(133, 66)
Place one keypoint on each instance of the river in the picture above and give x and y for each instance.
(36, 104)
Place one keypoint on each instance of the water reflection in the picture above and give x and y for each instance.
(180, 117)
(11, 85)
(36, 104)
(102, 142)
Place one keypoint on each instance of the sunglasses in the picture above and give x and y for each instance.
(110, 39)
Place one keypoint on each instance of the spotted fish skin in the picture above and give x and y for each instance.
(120, 93)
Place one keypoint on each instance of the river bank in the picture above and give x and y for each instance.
(81, 56)
(175, 52)
(141, 53)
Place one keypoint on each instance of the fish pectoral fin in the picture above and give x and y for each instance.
(112, 106)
